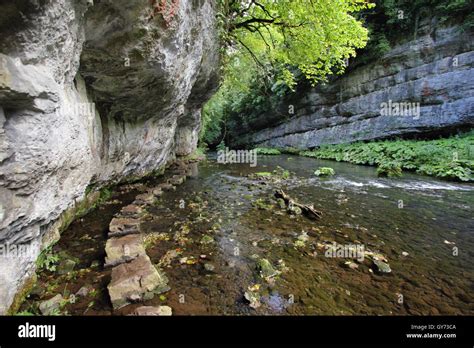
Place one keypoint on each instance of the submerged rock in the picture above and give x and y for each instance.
(209, 267)
(267, 271)
(206, 239)
(134, 281)
(382, 267)
(52, 305)
(66, 266)
(254, 298)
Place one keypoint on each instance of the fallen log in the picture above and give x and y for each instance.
(307, 210)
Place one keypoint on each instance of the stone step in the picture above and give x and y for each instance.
(136, 281)
(121, 226)
(145, 198)
(157, 192)
(124, 249)
(167, 187)
(132, 210)
(177, 180)
(153, 311)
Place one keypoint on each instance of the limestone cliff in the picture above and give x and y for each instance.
(433, 69)
(92, 92)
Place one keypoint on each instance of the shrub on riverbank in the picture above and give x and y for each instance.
(451, 158)
(266, 151)
(324, 171)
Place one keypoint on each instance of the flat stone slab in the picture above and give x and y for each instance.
(135, 281)
(145, 198)
(124, 249)
(167, 187)
(177, 179)
(157, 192)
(121, 226)
(131, 210)
(153, 311)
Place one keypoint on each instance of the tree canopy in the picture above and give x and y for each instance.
(315, 36)
(270, 44)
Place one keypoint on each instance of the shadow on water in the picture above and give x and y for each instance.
(423, 227)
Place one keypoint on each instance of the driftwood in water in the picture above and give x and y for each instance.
(308, 210)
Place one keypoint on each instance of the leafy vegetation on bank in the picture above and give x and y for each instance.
(324, 171)
(267, 151)
(269, 46)
(273, 46)
(451, 158)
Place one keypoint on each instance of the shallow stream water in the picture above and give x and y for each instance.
(423, 227)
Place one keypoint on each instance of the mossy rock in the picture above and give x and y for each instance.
(324, 171)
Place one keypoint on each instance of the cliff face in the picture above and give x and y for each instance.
(91, 93)
(434, 71)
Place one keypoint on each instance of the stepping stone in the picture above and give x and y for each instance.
(177, 179)
(136, 281)
(131, 210)
(167, 187)
(124, 249)
(145, 198)
(153, 311)
(124, 226)
(157, 192)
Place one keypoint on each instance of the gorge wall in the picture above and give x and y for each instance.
(91, 92)
(432, 68)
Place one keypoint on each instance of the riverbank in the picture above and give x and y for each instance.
(450, 158)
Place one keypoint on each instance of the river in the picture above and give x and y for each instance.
(421, 227)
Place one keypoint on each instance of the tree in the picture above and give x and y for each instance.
(316, 36)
